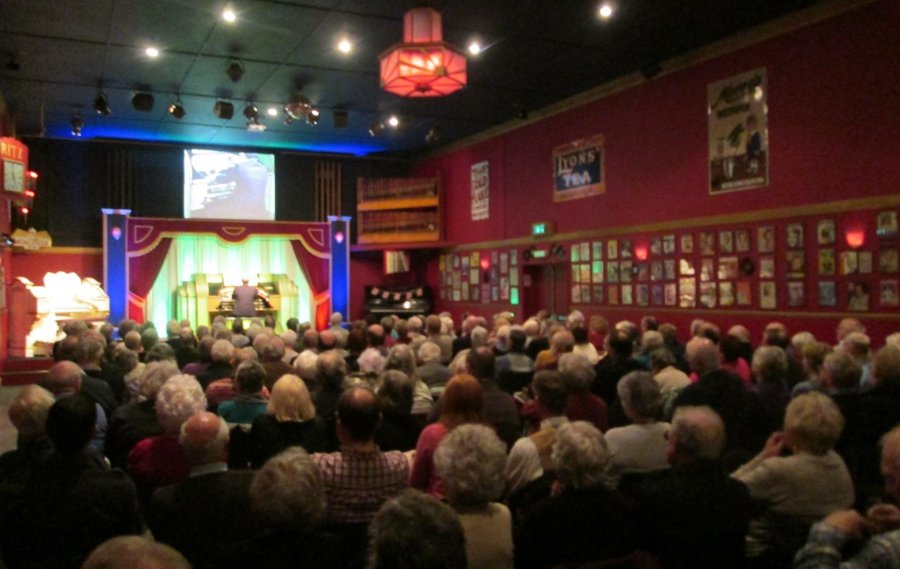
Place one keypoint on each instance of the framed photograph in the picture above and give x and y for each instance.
(576, 294)
(889, 295)
(825, 232)
(686, 267)
(728, 268)
(670, 294)
(457, 297)
(707, 243)
(887, 260)
(585, 273)
(687, 292)
(726, 293)
(726, 242)
(579, 169)
(575, 253)
(597, 272)
(794, 236)
(598, 294)
(765, 239)
(455, 261)
(504, 262)
(642, 297)
(627, 297)
(766, 267)
(513, 257)
(612, 249)
(707, 272)
(656, 246)
(612, 294)
(625, 271)
(643, 272)
(743, 293)
(465, 290)
(668, 245)
(857, 296)
(625, 248)
(796, 294)
(742, 241)
(585, 294)
(887, 224)
(849, 263)
(796, 264)
(767, 298)
(656, 295)
(656, 271)
(687, 243)
(708, 295)
(514, 276)
(585, 251)
(864, 262)
(612, 273)
(827, 294)
(597, 250)
(669, 269)
(826, 262)
(495, 258)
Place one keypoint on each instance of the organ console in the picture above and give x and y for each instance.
(206, 296)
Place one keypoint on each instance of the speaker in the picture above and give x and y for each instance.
(224, 110)
(142, 102)
(341, 119)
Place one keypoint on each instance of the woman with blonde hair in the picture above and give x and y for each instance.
(462, 402)
(290, 420)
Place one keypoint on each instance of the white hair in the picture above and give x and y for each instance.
(471, 460)
(580, 455)
(180, 397)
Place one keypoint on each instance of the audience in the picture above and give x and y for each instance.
(290, 420)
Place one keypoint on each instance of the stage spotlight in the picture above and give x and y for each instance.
(101, 104)
(77, 125)
(224, 110)
(313, 117)
(235, 70)
(176, 109)
(376, 128)
(299, 108)
(433, 135)
(251, 113)
(142, 102)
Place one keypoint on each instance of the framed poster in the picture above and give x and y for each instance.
(742, 241)
(827, 295)
(738, 132)
(889, 294)
(825, 232)
(578, 169)
(480, 191)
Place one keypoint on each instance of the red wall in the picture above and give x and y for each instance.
(832, 136)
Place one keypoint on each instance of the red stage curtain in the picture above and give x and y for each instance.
(142, 272)
(316, 270)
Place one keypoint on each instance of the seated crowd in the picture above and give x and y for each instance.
(409, 443)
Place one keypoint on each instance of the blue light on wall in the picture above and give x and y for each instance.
(340, 265)
(115, 261)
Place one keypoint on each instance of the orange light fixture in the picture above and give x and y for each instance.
(423, 65)
(855, 238)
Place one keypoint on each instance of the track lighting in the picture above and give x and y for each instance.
(251, 113)
(176, 109)
(142, 102)
(77, 125)
(101, 104)
(313, 117)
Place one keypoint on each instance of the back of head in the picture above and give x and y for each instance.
(290, 400)
(730, 348)
(161, 352)
(71, 422)
(848, 325)
(154, 376)
(204, 438)
(769, 364)
(580, 455)
(479, 337)
(814, 355)
(640, 395)
(63, 377)
(813, 423)
(395, 393)
(776, 334)
(471, 461)
(135, 552)
(620, 343)
(650, 340)
(28, 411)
(480, 363)
(517, 339)
(401, 357)
(577, 372)
(358, 413)
(551, 391)
(375, 335)
(417, 518)
(433, 325)
(462, 401)
(287, 490)
(429, 352)
(702, 355)
(327, 341)
(856, 344)
(697, 433)
(661, 358)
(669, 332)
(841, 370)
(250, 377)
(740, 332)
(331, 369)
(133, 341)
(886, 368)
(179, 398)
(562, 342)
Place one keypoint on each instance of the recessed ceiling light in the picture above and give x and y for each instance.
(606, 11)
(393, 121)
(152, 52)
(229, 16)
(474, 48)
(272, 112)
(344, 46)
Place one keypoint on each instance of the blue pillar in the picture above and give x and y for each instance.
(115, 261)
(340, 265)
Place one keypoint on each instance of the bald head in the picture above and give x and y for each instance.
(702, 355)
(327, 340)
(63, 377)
(204, 437)
(358, 413)
(697, 433)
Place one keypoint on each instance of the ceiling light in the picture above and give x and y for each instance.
(344, 46)
(142, 102)
(152, 52)
(251, 113)
(77, 125)
(376, 128)
(176, 109)
(272, 112)
(393, 121)
(474, 48)
(101, 104)
(235, 70)
(229, 16)
(423, 65)
(313, 117)
(223, 110)
(606, 11)
(299, 108)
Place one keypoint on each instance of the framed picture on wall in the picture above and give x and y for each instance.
(887, 260)
(726, 293)
(687, 243)
(598, 294)
(668, 245)
(656, 271)
(825, 232)
(656, 295)
(643, 272)
(707, 272)
(726, 242)
(686, 267)
(889, 295)
(687, 292)
(625, 248)
(612, 294)
(864, 261)
(743, 293)
(826, 262)
(765, 239)
(728, 268)
(707, 243)
(597, 250)
(585, 251)
(627, 298)
(796, 294)
(827, 294)
(742, 241)
(642, 295)
(656, 245)
(625, 271)
(670, 294)
(597, 272)
(708, 295)
(766, 267)
(669, 269)
(585, 294)
(767, 297)
(576, 294)
(612, 272)
(796, 264)
(612, 249)
(887, 224)
(794, 236)
(849, 263)
(857, 296)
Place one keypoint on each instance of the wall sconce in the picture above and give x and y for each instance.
(855, 238)
(339, 237)
(485, 263)
(640, 252)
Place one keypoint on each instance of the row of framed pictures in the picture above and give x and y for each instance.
(471, 277)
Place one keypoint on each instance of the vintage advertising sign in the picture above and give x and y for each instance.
(738, 133)
(13, 162)
(481, 186)
(578, 169)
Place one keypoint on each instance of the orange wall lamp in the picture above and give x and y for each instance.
(423, 65)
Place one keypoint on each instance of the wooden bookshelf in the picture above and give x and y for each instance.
(398, 210)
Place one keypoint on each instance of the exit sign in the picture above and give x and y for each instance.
(542, 229)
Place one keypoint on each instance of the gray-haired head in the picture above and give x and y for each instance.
(580, 455)
(470, 460)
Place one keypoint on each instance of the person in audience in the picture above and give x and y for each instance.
(798, 489)
(221, 356)
(881, 525)
(641, 446)
(290, 420)
(137, 420)
(272, 359)
(72, 502)
(650, 340)
(331, 370)
(880, 409)
(204, 514)
(432, 371)
(398, 429)
(359, 478)
(515, 359)
(74, 349)
(463, 341)
(249, 402)
(338, 329)
(149, 339)
(204, 356)
(583, 345)
(561, 342)
(132, 368)
(551, 397)
(416, 518)
(578, 374)
(583, 520)
(812, 357)
(186, 352)
(65, 379)
(614, 366)
(671, 380)
(847, 326)
(402, 358)
(289, 337)
(500, 409)
(134, 552)
(769, 368)
(477, 339)
(840, 376)
(309, 342)
(461, 403)
(470, 461)
(693, 515)
(434, 334)
(91, 351)
(857, 345)
(731, 352)
(776, 334)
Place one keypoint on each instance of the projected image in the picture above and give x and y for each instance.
(228, 185)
